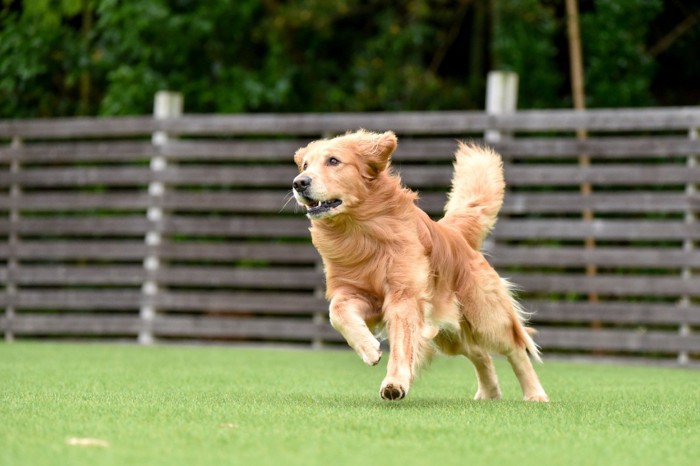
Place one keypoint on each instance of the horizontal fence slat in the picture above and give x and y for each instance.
(562, 256)
(78, 127)
(315, 124)
(249, 277)
(49, 201)
(71, 324)
(223, 252)
(607, 284)
(233, 150)
(617, 202)
(247, 328)
(617, 340)
(111, 275)
(240, 302)
(625, 312)
(88, 225)
(76, 250)
(530, 229)
(96, 249)
(79, 177)
(80, 300)
(103, 151)
(624, 119)
(263, 227)
(637, 147)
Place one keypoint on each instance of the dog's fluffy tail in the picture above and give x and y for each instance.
(477, 192)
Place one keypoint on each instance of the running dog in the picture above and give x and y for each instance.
(387, 264)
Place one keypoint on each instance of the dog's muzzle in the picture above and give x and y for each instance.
(301, 183)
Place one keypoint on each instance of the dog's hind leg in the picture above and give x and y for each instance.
(529, 382)
(488, 387)
(349, 315)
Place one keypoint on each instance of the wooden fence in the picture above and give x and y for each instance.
(158, 229)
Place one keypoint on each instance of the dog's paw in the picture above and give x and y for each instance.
(539, 397)
(486, 395)
(392, 392)
(370, 353)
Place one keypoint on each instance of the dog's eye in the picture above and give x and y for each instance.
(305, 166)
(333, 161)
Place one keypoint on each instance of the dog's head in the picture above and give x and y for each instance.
(335, 175)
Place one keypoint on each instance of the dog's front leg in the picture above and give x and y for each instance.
(406, 343)
(349, 315)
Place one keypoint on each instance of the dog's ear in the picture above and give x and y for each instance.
(376, 148)
(299, 156)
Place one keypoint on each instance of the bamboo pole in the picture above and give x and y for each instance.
(579, 98)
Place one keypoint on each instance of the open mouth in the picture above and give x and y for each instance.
(316, 208)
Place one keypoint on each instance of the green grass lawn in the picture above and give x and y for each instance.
(191, 405)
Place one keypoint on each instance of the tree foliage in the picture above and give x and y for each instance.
(73, 57)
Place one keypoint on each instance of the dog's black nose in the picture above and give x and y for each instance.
(301, 183)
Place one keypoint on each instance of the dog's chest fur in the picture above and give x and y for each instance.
(369, 257)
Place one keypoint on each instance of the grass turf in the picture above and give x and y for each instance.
(184, 405)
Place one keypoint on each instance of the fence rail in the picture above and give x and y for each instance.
(178, 227)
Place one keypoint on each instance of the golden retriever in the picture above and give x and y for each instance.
(388, 264)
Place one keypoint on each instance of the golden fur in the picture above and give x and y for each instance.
(387, 263)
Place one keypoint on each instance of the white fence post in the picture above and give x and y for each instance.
(13, 241)
(166, 105)
(501, 98)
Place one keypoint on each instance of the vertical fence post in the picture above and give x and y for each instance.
(166, 105)
(688, 243)
(501, 98)
(13, 239)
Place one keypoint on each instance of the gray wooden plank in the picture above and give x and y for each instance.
(609, 229)
(252, 328)
(49, 201)
(263, 302)
(78, 127)
(245, 201)
(233, 150)
(84, 300)
(251, 175)
(623, 119)
(297, 253)
(554, 202)
(238, 226)
(72, 275)
(610, 175)
(617, 340)
(564, 256)
(118, 176)
(616, 312)
(82, 249)
(71, 151)
(609, 147)
(117, 225)
(312, 124)
(558, 175)
(317, 124)
(610, 202)
(296, 278)
(607, 284)
(72, 324)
